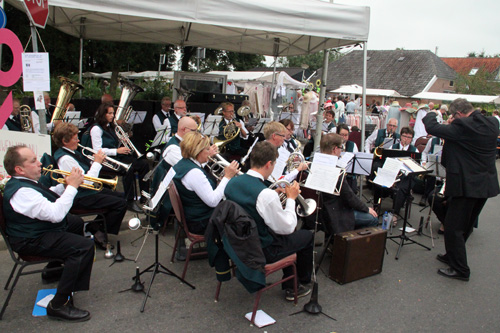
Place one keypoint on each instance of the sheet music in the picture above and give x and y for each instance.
(388, 142)
(260, 125)
(411, 165)
(363, 164)
(73, 117)
(162, 188)
(323, 177)
(434, 165)
(199, 114)
(386, 177)
(324, 126)
(438, 149)
(137, 117)
(325, 159)
(344, 160)
(212, 125)
(280, 163)
(393, 164)
(161, 137)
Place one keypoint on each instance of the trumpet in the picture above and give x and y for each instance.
(125, 140)
(440, 194)
(26, 119)
(218, 165)
(108, 161)
(97, 183)
(306, 206)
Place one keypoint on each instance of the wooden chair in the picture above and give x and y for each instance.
(420, 143)
(20, 260)
(356, 138)
(270, 269)
(193, 238)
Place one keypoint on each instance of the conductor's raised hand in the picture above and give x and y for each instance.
(292, 191)
(75, 178)
(231, 170)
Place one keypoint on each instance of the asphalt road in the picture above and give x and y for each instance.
(407, 296)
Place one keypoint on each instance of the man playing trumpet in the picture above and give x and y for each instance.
(67, 157)
(276, 226)
(38, 224)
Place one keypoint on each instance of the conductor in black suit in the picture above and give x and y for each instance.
(471, 177)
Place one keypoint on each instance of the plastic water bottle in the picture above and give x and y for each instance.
(385, 221)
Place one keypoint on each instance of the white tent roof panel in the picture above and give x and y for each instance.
(234, 25)
(358, 90)
(452, 97)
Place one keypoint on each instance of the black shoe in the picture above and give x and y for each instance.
(52, 276)
(443, 258)
(422, 202)
(101, 241)
(452, 274)
(133, 206)
(67, 312)
(441, 232)
(301, 292)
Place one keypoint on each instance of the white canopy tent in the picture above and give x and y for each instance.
(276, 28)
(264, 77)
(451, 97)
(358, 90)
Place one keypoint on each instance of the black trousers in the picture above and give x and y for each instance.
(139, 166)
(300, 242)
(76, 251)
(113, 202)
(460, 218)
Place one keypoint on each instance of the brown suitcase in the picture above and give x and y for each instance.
(357, 254)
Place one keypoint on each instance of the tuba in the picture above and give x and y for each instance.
(68, 88)
(306, 206)
(243, 111)
(26, 119)
(129, 90)
(123, 111)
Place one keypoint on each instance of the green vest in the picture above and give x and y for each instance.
(13, 125)
(84, 164)
(435, 142)
(161, 116)
(381, 136)
(349, 146)
(109, 138)
(174, 122)
(21, 226)
(244, 190)
(194, 208)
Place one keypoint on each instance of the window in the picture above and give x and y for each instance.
(401, 58)
(473, 71)
(452, 83)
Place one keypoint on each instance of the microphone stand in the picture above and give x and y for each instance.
(313, 307)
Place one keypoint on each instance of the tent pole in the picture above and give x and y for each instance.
(363, 112)
(80, 69)
(322, 93)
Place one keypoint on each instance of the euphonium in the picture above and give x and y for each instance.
(97, 182)
(305, 207)
(26, 119)
(108, 161)
(294, 160)
(243, 111)
(378, 150)
(217, 166)
(68, 88)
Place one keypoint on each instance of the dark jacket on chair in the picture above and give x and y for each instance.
(232, 234)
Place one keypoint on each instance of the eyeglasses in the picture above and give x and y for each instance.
(390, 125)
(192, 130)
(407, 136)
(282, 135)
(229, 111)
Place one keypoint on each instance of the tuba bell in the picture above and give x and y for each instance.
(243, 111)
(68, 88)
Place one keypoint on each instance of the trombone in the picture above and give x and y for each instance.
(108, 161)
(218, 165)
(26, 119)
(97, 183)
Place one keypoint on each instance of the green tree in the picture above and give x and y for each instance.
(315, 61)
(219, 60)
(481, 83)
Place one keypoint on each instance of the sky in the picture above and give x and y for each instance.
(454, 27)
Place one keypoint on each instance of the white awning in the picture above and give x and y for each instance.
(301, 27)
(358, 90)
(451, 97)
(264, 77)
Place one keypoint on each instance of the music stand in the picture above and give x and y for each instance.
(403, 237)
(361, 165)
(260, 125)
(211, 127)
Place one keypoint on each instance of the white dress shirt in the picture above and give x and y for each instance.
(370, 141)
(66, 163)
(196, 180)
(419, 127)
(281, 221)
(172, 154)
(31, 203)
(36, 123)
(158, 125)
(5, 127)
(96, 135)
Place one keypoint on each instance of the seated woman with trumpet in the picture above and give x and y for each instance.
(103, 136)
(68, 157)
(198, 192)
(231, 130)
